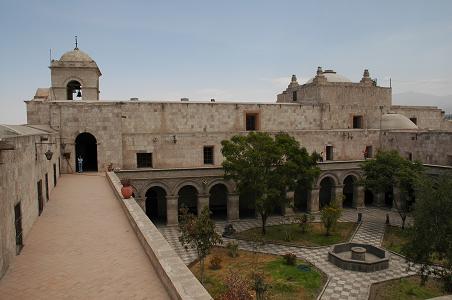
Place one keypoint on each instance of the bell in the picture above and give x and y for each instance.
(79, 94)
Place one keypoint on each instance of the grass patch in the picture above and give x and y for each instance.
(408, 288)
(314, 237)
(395, 238)
(286, 282)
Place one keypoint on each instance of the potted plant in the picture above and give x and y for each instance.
(126, 189)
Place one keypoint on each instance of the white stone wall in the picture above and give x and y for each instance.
(19, 174)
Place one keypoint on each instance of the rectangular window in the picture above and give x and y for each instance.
(208, 155)
(329, 152)
(251, 121)
(47, 187)
(18, 225)
(54, 175)
(409, 156)
(368, 152)
(414, 120)
(357, 121)
(294, 96)
(40, 200)
(144, 160)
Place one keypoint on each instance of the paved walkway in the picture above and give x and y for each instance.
(82, 247)
(343, 284)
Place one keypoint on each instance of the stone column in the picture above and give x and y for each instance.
(288, 208)
(338, 191)
(313, 201)
(396, 200)
(233, 207)
(203, 200)
(171, 210)
(358, 196)
(379, 199)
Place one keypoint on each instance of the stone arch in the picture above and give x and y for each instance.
(216, 181)
(355, 174)
(349, 190)
(188, 197)
(86, 149)
(74, 86)
(218, 200)
(333, 177)
(183, 183)
(151, 184)
(155, 204)
(326, 190)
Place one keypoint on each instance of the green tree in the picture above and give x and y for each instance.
(389, 170)
(198, 232)
(430, 239)
(329, 215)
(267, 168)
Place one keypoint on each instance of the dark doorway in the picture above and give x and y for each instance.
(18, 225)
(301, 197)
(40, 200)
(368, 198)
(74, 90)
(188, 197)
(218, 201)
(54, 175)
(389, 197)
(326, 192)
(349, 189)
(247, 205)
(47, 186)
(86, 148)
(156, 204)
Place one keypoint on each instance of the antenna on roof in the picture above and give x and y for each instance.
(76, 43)
(390, 82)
(50, 55)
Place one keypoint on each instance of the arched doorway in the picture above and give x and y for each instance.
(156, 204)
(326, 191)
(349, 190)
(218, 201)
(389, 197)
(301, 196)
(247, 205)
(188, 197)
(368, 197)
(86, 148)
(74, 90)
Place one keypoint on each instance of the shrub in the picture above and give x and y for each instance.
(237, 288)
(304, 221)
(233, 249)
(288, 234)
(290, 259)
(329, 216)
(215, 263)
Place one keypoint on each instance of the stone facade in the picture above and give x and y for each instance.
(22, 165)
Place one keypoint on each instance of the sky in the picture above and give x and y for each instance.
(227, 50)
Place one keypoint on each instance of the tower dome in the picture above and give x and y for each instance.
(76, 55)
(391, 121)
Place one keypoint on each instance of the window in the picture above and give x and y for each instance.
(144, 160)
(251, 121)
(294, 95)
(54, 175)
(329, 152)
(208, 155)
(40, 200)
(368, 152)
(47, 187)
(357, 121)
(18, 225)
(414, 120)
(409, 156)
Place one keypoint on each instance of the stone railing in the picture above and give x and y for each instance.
(180, 283)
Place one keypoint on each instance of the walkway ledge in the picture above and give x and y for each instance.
(174, 274)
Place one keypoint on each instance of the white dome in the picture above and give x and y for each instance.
(75, 55)
(332, 76)
(396, 121)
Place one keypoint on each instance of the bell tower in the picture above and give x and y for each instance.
(75, 76)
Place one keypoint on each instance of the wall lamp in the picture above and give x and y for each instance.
(48, 153)
(174, 139)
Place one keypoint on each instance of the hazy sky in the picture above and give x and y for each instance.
(228, 50)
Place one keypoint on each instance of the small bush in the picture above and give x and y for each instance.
(233, 249)
(290, 259)
(215, 263)
(288, 234)
(237, 288)
(304, 221)
(329, 216)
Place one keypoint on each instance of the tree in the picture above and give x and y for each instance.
(430, 239)
(198, 232)
(267, 168)
(329, 215)
(389, 170)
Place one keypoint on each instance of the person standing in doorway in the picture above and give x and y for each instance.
(80, 164)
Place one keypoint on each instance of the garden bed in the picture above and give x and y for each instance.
(300, 281)
(395, 238)
(314, 237)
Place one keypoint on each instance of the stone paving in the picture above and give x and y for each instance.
(82, 247)
(342, 284)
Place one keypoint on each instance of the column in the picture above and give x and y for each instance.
(338, 195)
(203, 200)
(313, 201)
(233, 207)
(396, 200)
(288, 207)
(358, 196)
(171, 210)
(379, 199)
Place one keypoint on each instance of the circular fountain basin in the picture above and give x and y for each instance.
(359, 257)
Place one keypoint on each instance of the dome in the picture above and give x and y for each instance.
(76, 55)
(396, 121)
(332, 76)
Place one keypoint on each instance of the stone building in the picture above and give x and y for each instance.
(171, 150)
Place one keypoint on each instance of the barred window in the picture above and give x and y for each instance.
(208, 155)
(144, 160)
